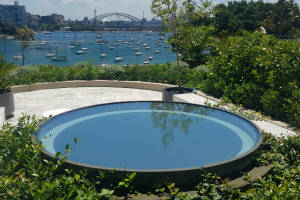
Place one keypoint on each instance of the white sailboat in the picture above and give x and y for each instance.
(75, 42)
(102, 54)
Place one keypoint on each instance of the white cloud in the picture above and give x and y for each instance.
(6, 2)
(77, 1)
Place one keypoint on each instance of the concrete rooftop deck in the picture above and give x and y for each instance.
(45, 101)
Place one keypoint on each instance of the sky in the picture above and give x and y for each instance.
(78, 9)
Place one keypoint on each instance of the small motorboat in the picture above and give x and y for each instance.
(41, 42)
(149, 33)
(150, 58)
(157, 51)
(80, 52)
(34, 47)
(138, 53)
(75, 43)
(118, 59)
(47, 32)
(18, 57)
(146, 62)
(102, 55)
(104, 64)
(50, 55)
(101, 41)
(58, 58)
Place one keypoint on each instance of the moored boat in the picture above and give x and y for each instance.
(59, 58)
(118, 59)
(80, 52)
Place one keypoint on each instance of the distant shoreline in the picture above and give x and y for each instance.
(2, 36)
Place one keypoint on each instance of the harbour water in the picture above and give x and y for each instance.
(132, 47)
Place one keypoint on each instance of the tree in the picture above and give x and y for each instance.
(284, 21)
(238, 16)
(24, 35)
(168, 11)
(8, 28)
(5, 70)
(186, 20)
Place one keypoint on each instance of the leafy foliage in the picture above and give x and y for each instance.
(259, 72)
(255, 70)
(5, 70)
(190, 36)
(284, 21)
(26, 174)
(281, 19)
(8, 28)
(83, 71)
(24, 34)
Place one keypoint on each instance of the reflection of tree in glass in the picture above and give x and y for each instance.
(169, 121)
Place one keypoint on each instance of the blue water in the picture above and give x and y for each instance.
(149, 135)
(11, 48)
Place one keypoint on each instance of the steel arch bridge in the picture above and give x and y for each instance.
(127, 16)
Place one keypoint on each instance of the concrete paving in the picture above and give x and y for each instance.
(40, 102)
(54, 101)
(2, 115)
(267, 126)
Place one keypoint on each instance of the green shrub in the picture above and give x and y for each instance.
(259, 72)
(5, 71)
(26, 174)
